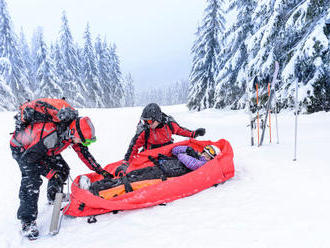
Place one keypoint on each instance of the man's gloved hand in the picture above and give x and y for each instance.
(199, 132)
(121, 170)
(191, 152)
(105, 174)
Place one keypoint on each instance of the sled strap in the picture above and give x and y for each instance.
(157, 165)
(128, 186)
(153, 146)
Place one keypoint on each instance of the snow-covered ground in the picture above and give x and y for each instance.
(271, 202)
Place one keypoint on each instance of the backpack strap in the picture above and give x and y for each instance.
(170, 126)
(79, 130)
(146, 137)
(168, 120)
(42, 130)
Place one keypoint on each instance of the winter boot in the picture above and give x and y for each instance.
(30, 230)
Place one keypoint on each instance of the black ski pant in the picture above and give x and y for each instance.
(31, 182)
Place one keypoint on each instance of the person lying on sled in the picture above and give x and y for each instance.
(193, 160)
(155, 129)
(185, 159)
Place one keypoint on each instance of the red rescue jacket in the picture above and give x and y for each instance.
(39, 140)
(153, 138)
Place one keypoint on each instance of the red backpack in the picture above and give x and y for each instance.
(45, 110)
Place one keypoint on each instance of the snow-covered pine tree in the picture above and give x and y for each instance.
(34, 66)
(290, 31)
(68, 51)
(304, 46)
(115, 76)
(104, 71)
(90, 73)
(7, 99)
(129, 91)
(233, 55)
(56, 55)
(26, 56)
(45, 74)
(9, 49)
(205, 50)
(68, 66)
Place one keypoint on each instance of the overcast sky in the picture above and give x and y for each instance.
(153, 37)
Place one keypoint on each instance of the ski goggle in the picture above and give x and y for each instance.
(210, 151)
(87, 142)
(149, 122)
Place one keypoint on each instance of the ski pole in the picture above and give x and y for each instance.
(270, 123)
(257, 113)
(251, 124)
(278, 140)
(296, 124)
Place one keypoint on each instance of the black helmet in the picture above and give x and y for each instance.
(152, 112)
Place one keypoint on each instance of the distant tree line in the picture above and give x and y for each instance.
(176, 93)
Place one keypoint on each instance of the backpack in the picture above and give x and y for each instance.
(45, 110)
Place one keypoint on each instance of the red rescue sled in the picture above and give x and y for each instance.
(218, 170)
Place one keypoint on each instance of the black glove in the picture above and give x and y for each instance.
(121, 170)
(199, 132)
(105, 174)
(191, 152)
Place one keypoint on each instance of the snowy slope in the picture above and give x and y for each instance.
(271, 202)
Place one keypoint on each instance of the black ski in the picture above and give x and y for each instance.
(272, 92)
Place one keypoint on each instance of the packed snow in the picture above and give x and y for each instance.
(272, 201)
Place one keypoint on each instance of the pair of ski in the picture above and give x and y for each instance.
(268, 108)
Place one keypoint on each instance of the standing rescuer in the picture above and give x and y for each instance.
(37, 150)
(154, 130)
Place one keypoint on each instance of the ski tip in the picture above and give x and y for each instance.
(53, 233)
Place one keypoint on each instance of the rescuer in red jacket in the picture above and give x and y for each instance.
(154, 130)
(37, 151)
